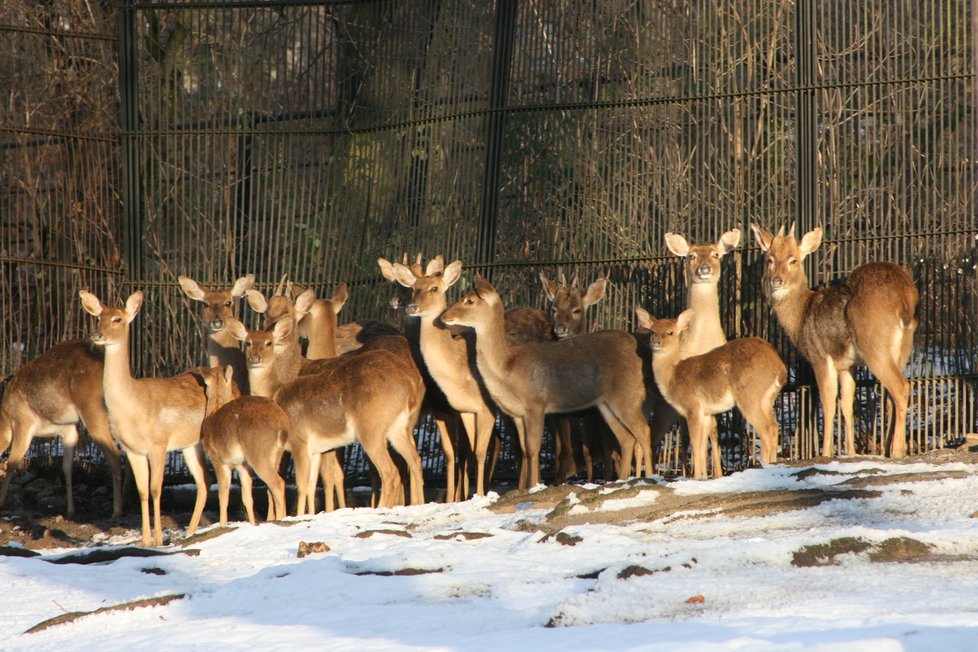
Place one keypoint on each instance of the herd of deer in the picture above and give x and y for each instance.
(367, 383)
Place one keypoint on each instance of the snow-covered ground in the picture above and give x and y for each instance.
(502, 574)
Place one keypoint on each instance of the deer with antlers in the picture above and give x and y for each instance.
(47, 397)
(746, 373)
(149, 416)
(600, 369)
(871, 318)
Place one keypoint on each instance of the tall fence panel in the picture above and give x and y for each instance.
(218, 138)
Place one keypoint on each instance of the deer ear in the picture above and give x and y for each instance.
(435, 266)
(256, 300)
(644, 318)
(452, 273)
(133, 304)
(810, 241)
(677, 244)
(242, 285)
(237, 329)
(191, 288)
(483, 287)
(549, 286)
(729, 240)
(283, 327)
(228, 373)
(303, 302)
(404, 276)
(595, 292)
(387, 268)
(763, 238)
(339, 297)
(685, 319)
(90, 303)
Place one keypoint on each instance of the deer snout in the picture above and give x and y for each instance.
(704, 271)
(254, 360)
(776, 282)
(217, 324)
(412, 309)
(560, 330)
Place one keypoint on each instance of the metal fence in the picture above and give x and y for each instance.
(142, 140)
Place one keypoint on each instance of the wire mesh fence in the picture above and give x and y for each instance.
(146, 139)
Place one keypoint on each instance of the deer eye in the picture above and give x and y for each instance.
(228, 303)
(716, 254)
(577, 311)
(117, 320)
(792, 261)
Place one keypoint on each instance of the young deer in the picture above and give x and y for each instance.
(871, 317)
(49, 396)
(149, 416)
(248, 432)
(372, 396)
(746, 373)
(701, 268)
(219, 306)
(568, 310)
(447, 359)
(599, 369)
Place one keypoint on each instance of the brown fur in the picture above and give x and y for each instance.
(871, 317)
(247, 432)
(747, 373)
(48, 397)
(599, 369)
(149, 416)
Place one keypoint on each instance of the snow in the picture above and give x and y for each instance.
(485, 579)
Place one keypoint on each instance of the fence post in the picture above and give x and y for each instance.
(502, 57)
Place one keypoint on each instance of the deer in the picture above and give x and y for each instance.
(701, 268)
(47, 397)
(445, 417)
(149, 416)
(568, 318)
(599, 369)
(746, 373)
(870, 317)
(243, 433)
(447, 359)
(219, 306)
(372, 396)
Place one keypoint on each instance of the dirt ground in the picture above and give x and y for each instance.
(34, 515)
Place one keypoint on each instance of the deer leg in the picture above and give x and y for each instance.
(315, 462)
(847, 394)
(223, 473)
(827, 379)
(244, 479)
(626, 440)
(469, 424)
(332, 474)
(715, 450)
(664, 417)
(194, 456)
(157, 464)
(401, 438)
(533, 436)
(140, 474)
(898, 389)
(699, 427)
(484, 422)
(267, 470)
(97, 423)
(300, 462)
(448, 446)
(19, 443)
(376, 449)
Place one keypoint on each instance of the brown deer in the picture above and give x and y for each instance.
(447, 359)
(219, 306)
(871, 318)
(599, 369)
(275, 359)
(149, 416)
(445, 417)
(746, 373)
(701, 268)
(247, 432)
(568, 318)
(47, 397)
(372, 396)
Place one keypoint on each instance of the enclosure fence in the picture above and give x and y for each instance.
(144, 140)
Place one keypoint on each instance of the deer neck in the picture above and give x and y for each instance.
(493, 355)
(220, 347)
(266, 381)
(320, 328)
(118, 383)
(664, 365)
(706, 332)
(791, 309)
